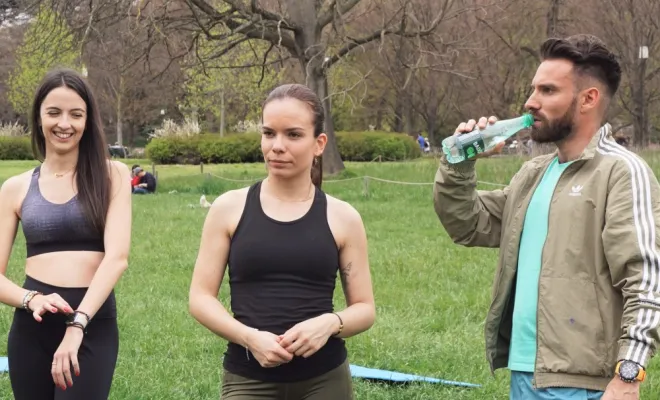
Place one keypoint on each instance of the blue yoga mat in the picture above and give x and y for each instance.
(379, 374)
(357, 372)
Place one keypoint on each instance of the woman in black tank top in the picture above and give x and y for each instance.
(283, 242)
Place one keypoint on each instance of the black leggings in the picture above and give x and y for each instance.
(31, 346)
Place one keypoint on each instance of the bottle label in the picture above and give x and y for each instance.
(473, 145)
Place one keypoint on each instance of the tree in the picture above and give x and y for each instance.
(237, 76)
(631, 29)
(317, 34)
(48, 43)
(11, 35)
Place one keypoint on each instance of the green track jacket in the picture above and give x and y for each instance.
(599, 286)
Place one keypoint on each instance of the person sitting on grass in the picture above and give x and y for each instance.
(147, 182)
(135, 180)
(283, 241)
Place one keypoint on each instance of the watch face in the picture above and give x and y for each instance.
(629, 370)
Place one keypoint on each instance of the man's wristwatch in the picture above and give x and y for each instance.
(630, 371)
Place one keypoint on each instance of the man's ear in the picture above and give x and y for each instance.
(590, 99)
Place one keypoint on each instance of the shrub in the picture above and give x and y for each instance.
(14, 129)
(174, 150)
(169, 128)
(235, 148)
(238, 148)
(15, 148)
(367, 146)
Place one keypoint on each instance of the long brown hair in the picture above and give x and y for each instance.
(306, 95)
(92, 172)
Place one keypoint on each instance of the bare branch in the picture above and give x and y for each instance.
(252, 25)
(328, 11)
(400, 31)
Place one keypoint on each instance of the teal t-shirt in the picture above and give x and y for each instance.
(522, 354)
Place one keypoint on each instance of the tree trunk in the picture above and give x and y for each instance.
(409, 122)
(553, 24)
(120, 136)
(332, 162)
(222, 114)
(310, 53)
(379, 114)
(431, 127)
(640, 114)
(398, 114)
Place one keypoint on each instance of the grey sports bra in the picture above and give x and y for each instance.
(50, 227)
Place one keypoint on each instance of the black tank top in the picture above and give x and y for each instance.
(280, 274)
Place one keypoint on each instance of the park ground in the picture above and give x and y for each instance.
(431, 295)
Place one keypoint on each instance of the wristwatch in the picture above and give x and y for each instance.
(630, 371)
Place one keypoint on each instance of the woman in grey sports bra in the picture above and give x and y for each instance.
(75, 214)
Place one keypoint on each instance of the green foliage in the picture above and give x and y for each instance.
(232, 149)
(206, 148)
(48, 43)
(236, 148)
(235, 76)
(174, 150)
(367, 146)
(15, 148)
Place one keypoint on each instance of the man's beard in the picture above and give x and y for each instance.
(555, 131)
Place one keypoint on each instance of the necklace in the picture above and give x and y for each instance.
(61, 174)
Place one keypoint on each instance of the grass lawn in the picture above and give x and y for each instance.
(431, 295)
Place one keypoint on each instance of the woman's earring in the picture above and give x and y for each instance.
(316, 161)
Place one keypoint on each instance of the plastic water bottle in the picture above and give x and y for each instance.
(469, 145)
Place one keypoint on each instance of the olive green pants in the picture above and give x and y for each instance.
(333, 385)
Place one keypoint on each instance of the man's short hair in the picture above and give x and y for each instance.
(589, 56)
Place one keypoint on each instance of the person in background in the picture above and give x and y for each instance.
(421, 141)
(135, 180)
(146, 182)
(283, 241)
(575, 312)
(75, 212)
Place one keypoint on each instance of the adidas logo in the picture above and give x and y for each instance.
(576, 190)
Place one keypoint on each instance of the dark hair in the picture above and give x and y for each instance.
(306, 95)
(92, 172)
(589, 56)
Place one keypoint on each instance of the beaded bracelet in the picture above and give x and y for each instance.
(28, 298)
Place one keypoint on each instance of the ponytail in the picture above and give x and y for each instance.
(317, 171)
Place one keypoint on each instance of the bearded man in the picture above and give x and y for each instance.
(576, 298)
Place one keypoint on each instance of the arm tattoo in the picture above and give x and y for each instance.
(345, 271)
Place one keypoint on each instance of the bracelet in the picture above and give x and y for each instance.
(77, 325)
(28, 298)
(341, 324)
